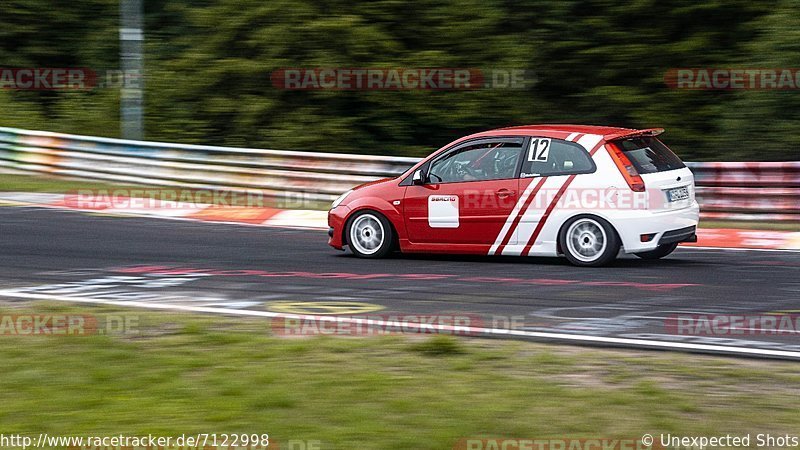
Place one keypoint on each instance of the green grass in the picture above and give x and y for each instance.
(46, 183)
(751, 225)
(202, 374)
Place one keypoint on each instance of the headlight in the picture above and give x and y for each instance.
(341, 198)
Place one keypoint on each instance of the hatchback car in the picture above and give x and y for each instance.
(584, 192)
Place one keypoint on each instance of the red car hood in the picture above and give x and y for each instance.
(372, 183)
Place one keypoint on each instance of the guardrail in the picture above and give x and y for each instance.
(765, 191)
(318, 176)
(742, 191)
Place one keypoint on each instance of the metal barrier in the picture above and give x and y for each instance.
(741, 191)
(765, 191)
(318, 176)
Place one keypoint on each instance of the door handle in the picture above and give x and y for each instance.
(503, 193)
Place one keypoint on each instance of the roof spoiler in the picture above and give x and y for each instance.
(634, 133)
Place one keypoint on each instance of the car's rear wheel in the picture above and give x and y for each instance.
(369, 235)
(589, 241)
(659, 252)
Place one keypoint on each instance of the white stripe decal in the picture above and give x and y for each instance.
(532, 215)
(511, 217)
(588, 142)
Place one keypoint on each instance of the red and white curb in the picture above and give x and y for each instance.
(317, 220)
(746, 239)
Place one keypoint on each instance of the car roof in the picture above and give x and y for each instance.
(554, 131)
(550, 130)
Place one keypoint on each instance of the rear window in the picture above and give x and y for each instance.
(649, 155)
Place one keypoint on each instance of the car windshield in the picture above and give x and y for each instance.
(483, 161)
(649, 155)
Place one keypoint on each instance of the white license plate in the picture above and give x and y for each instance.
(678, 194)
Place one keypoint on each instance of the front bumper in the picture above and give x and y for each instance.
(336, 218)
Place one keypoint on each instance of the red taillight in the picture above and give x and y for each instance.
(626, 168)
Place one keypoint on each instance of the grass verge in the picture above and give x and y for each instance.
(202, 374)
(46, 183)
(748, 225)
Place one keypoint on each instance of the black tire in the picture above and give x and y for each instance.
(369, 234)
(659, 252)
(593, 241)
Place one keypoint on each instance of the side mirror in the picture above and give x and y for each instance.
(418, 179)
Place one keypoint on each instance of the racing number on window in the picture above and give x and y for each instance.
(539, 150)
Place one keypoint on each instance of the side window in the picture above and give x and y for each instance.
(545, 156)
(477, 162)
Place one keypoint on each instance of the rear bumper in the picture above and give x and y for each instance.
(667, 226)
(688, 234)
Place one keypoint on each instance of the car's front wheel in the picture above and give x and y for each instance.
(659, 252)
(589, 241)
(369, 235)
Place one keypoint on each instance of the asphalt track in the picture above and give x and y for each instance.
(66, 255)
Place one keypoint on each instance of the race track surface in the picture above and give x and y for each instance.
(63, 255)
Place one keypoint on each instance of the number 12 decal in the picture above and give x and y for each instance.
(539, 150)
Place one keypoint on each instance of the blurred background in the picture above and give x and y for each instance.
(207, 66)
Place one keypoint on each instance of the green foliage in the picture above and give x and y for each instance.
(764, 123)
(208, 68)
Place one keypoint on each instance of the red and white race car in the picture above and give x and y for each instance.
(541, 190)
